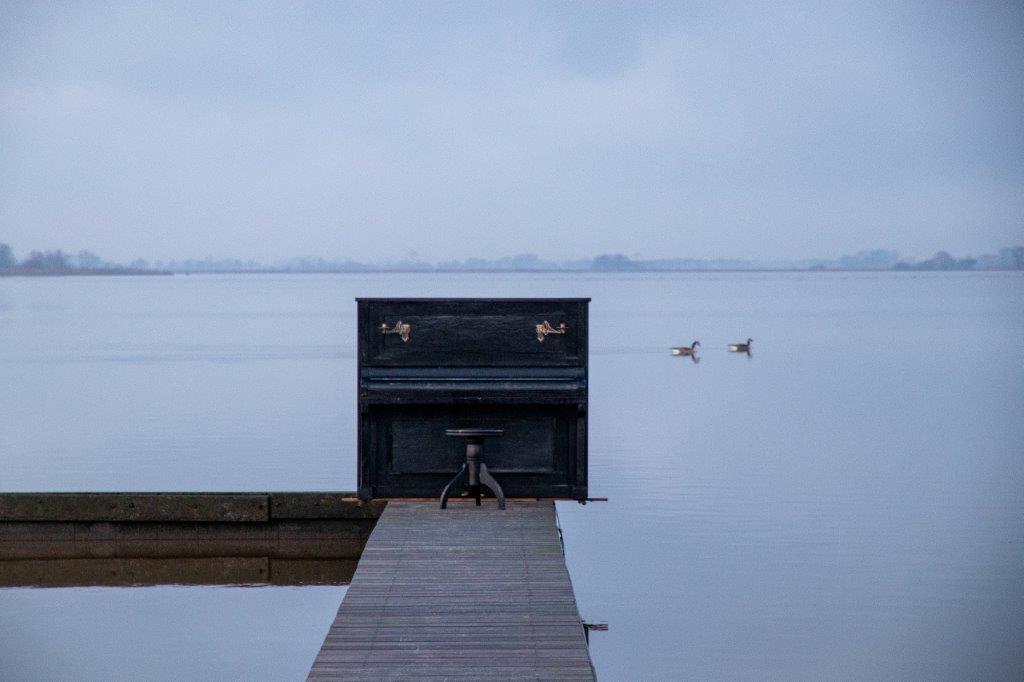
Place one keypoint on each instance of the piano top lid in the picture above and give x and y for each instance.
(466, 299)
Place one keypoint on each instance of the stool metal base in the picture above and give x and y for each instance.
(475, 490)
(474, 470)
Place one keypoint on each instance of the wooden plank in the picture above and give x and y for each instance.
(135, 507)
(323, 506)
(462, 593)
(248, 507)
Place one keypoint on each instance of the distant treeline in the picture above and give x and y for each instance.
(60, 263)
(86, 262)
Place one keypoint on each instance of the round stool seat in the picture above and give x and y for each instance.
(474, 433)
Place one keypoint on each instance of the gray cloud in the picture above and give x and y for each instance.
(365, 130)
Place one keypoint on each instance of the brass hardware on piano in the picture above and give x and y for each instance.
(400, 328)
(546, 328)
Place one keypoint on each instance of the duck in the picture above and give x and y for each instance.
(740, 347)
(683, 350)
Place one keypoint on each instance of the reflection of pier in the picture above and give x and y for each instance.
(224, 570)
(70, 539)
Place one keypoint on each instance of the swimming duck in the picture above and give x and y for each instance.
(740, 347)
(683, 350)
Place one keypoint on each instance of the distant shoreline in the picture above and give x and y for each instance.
(60, 264)
(413, 271)
(80, 272)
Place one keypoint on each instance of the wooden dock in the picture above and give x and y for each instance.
(467, 592)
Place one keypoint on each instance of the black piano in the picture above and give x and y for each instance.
(514, 370)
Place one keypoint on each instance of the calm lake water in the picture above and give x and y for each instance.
(846, 503)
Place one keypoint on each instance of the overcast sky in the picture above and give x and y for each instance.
(373, 130)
